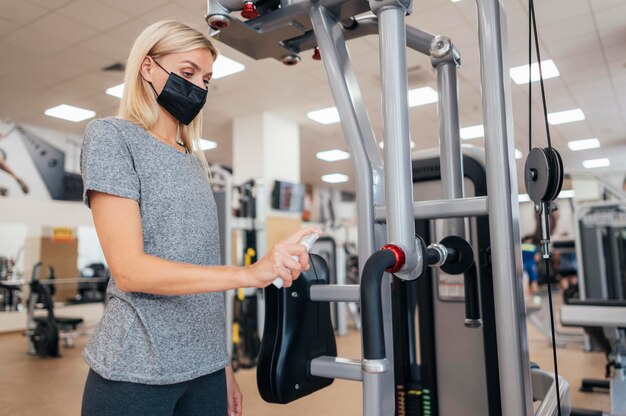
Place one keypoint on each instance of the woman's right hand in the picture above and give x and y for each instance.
(278, 262)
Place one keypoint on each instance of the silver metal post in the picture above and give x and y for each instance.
(347, 97)
(513, 361)
(342, 308)
(335, 293)
(450, 141)
(398, 174)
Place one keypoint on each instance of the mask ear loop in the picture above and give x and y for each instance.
(159, 65)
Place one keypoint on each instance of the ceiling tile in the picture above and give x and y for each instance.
(56, 26)
(35, 42)
(551, 12)
(135, 8)
(94, 14)
(51, 4)
(193, 6)
(611, 18)
(7, 26)
(173, 11)
(605, 4)
(20, 11)
(106, 45)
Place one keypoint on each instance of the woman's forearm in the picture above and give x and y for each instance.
(154, 275)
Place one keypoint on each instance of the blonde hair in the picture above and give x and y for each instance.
(138, 103)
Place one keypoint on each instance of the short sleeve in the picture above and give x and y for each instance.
(106, 163)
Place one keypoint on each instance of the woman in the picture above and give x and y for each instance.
(160, 347)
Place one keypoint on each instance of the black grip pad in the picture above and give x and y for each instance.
(296, 331)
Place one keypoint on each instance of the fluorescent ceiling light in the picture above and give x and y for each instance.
(584, 144)
(335, 178)
(523, 198)
(472, 132)
(332, 155)
(568, 193)
(116, 91)
(207, 144)
(422, 96)
(561, 117)
(223, 67)
(71, 113)
(382, 144)
(520, 73)
(328, 115)
(518, 154)
(596, 163)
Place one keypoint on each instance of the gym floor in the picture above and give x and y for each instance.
(32, 386)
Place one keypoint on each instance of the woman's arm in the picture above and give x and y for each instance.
(118, 224)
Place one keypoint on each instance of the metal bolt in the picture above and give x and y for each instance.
(533, 174)
(297, 386)
(294, 294)
(439, 45)
(537, 208)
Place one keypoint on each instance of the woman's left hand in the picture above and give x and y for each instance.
(235, 398)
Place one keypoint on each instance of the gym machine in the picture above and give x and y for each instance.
(298, 353)
(244, 308)
(601, 309)
(45, 331)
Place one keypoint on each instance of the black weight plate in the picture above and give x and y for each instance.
(466, 255)
(537, 187)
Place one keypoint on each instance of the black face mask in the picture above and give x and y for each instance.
(181, 98)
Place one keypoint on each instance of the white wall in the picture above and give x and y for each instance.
(12, 239)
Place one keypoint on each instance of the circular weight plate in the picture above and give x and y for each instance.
(537, 174)
(466, 255)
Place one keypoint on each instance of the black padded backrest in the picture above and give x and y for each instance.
(296, 331)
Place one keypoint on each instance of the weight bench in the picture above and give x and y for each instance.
(67, 328)
(603, 313)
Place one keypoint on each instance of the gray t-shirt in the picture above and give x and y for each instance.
(145, 338)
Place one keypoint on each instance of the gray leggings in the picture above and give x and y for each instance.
(203, 396)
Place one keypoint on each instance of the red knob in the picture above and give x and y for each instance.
(399, 255)
(316, 54)
(249, 10)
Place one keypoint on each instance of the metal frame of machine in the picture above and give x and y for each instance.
(385, 205)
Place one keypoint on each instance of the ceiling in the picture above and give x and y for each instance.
(53, 52)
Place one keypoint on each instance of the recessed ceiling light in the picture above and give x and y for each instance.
(518, 154)
(472, 132)
(519, 74)
(223, 67)
(584, 144)
(207, 144)
(422, 96)
(116, 91)
(335, 178)
(523, 198)
(328, 115)
(561, 117)
(71, 113)
(596, 163)
(382, 144)
(332, 155)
